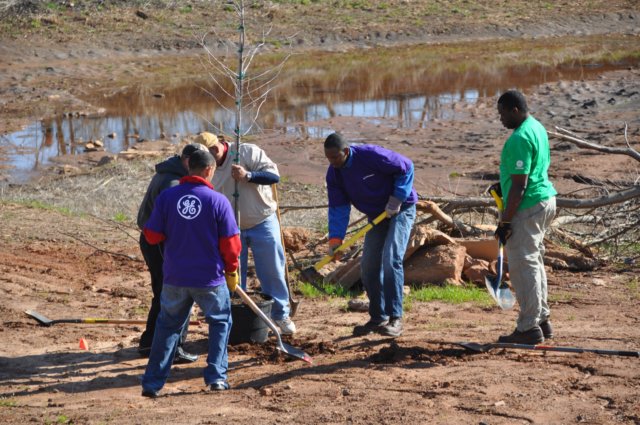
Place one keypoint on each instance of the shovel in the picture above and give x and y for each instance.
(310, 274)
(45, 321)
(499, 290)
(483, 348)
(285, 348)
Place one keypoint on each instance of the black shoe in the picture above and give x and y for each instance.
(368, 328)
(547, 329)
(184, 357)
(219, 386)
(393, 328)
(532, 336)
(150, 394)
(144, 352)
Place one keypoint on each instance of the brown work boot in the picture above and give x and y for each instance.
(547, 329)
(531, 337)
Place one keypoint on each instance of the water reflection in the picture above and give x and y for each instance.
(412, 98)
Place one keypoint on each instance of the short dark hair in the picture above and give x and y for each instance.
(199, 160)
(335, 140)
(513, 99)
(189, 149)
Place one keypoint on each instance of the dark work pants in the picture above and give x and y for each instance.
(153, 257)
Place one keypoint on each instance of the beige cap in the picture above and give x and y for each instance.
(207, 139)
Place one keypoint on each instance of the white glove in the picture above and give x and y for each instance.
(393, 206)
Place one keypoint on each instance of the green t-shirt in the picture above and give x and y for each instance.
(526, 151)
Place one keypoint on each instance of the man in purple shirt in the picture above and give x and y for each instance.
(373, 179)
(201, 248)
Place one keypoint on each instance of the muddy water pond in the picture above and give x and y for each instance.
(408, 87)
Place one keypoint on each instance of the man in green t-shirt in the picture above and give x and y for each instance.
(530, 205)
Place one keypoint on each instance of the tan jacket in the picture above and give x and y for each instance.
(255, 201)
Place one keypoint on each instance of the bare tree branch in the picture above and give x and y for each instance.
(629, 151)
(115, 254)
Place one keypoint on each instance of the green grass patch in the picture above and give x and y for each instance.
(35, 204)
(8, 402)
(120, 217)
(451, 294)
(328, 290)
(296, 2)
(60, 419)
(52, 5)
(560, 297)
(140, 310)
(634, 288)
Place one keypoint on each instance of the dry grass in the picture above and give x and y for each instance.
(115, 191)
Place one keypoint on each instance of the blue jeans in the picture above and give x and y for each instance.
(175, 305)
(268, 257)
(381, 264)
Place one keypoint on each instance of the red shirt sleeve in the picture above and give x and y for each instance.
(230, 249)
(152, 237)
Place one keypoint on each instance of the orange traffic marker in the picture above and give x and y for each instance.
(84, 345)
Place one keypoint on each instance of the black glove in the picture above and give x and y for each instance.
(503, 232)
(496, 187)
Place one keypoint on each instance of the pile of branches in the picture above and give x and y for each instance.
(601, 221)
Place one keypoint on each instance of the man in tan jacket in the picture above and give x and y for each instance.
(254, 173)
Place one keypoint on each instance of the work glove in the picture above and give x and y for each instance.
(232, 279)
(393, 206)
(334, 243)
(495, 187)
(503, 232)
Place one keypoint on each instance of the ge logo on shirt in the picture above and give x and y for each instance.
(189, 207)
(519, 164)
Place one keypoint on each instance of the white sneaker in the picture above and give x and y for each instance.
(286, 325)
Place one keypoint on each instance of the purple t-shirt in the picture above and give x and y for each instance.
(194, 218)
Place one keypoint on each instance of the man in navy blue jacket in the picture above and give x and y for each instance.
(373, 179)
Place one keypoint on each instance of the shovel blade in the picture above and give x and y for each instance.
(474, 346)
(294, 352)
(311, 275)
(43, 320)
(293, 304)
(500, 293)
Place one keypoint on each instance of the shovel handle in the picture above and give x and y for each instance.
(101, 321)
(566, 349)
(248, 301)
(327, 258)
(498, 200)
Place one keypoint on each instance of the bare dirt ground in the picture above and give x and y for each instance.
(422, 377)
(56, 263)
